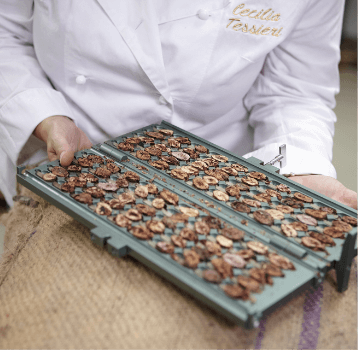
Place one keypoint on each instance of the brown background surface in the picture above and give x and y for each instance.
(58, 290)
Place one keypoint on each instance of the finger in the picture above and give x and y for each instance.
(51, 154)
(65, 152)
(349, 198)
(66, 156)
(84, 141)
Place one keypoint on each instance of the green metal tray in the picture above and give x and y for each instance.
(340, 256)
(310, 266)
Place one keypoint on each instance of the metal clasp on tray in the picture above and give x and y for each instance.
(282, 158)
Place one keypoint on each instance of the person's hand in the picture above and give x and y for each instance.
(63, 138)
(330, 187)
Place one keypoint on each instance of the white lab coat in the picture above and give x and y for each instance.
(246, 75)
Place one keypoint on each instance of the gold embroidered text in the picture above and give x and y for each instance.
(269, 13)
(263, 15)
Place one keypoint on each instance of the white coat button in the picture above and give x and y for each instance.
(81, 79)
(204, 14)
(162, 100)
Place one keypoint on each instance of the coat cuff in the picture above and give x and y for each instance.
(22, 113)
(299, 161)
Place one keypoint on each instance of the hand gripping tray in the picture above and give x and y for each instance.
(310, 266)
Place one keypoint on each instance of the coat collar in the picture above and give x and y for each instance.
(137, 23)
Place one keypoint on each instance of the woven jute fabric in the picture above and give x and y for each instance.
(58, 290)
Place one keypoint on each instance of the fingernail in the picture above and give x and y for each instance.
(61, 156)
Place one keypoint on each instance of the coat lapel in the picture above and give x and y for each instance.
(136, 22)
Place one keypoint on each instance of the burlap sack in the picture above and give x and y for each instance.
(58, 290)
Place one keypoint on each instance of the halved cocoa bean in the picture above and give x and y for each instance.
(108, 186)
(122, 221)
(179, 174)
(49, 177)
(250, 181)
(192, 212)
(224, 241)
(187, 234)
(159, 164)
(116, 204)
(201, 149)
(122, 183)
(152, 189)
(221, 196)
(211, 276)
(303, 197)
(334, 232)
(221, 266)
(350, 220)
(313, 243)
(83, 198)
(88, 177)
(247, 254)
(220, 158)
(299, 226)
(199, 164)
(276, 214)
(235, 291)
(257, 247)
(239, 167)
(95, 159)
(95, 192)
(288, 230)
(155, 226)
(241, 207)
(252, 203)
(248, 283)
(141, 191)
(281, 261)
(133, 140)
(166, 132)
(158, 203)
(230, 171)
(257, 175)
(155, 135)
(283, 188)
(103, 209)
(125, 146)
(211, 180)
(233, 191)
(273, 193)
(59, 171)
(133, 215)
(306, 219)
(126, 198)
(141, 232)
(146, 209)
(285, 209)
(178, 241)
(191, 259)
(200, 183)
(263, 217)
(233, 233)
(74, 168)
(201, 228)
(235, 260)
(169, 197)
(131, 176)
(342, 225)
(143, 155)
(322, 238)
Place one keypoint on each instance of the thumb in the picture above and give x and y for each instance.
(66, 155)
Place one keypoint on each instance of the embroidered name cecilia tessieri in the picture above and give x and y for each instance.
(263, 15)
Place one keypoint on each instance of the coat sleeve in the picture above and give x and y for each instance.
(26, 95)
(292, 99)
